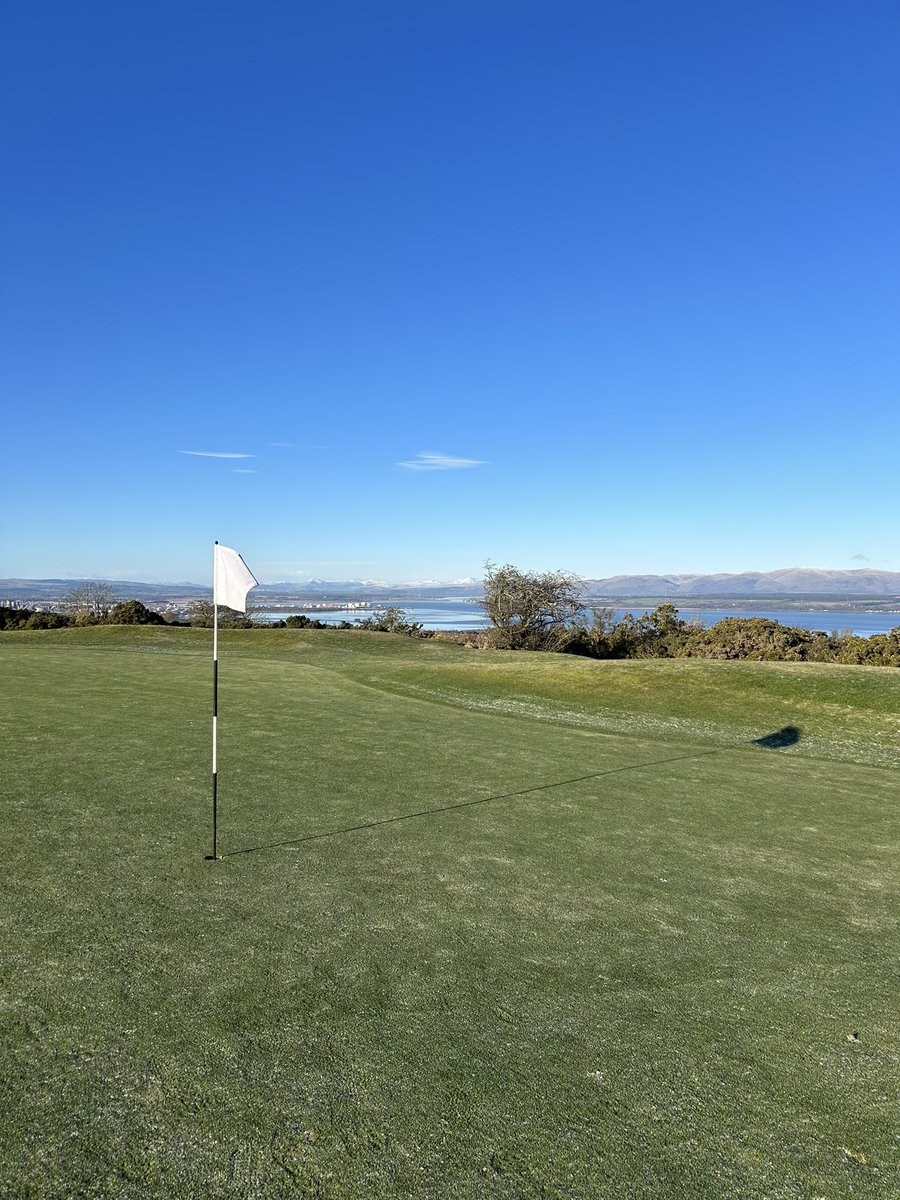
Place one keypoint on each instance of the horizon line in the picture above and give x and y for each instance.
(468, 581)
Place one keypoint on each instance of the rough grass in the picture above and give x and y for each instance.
(488, 924)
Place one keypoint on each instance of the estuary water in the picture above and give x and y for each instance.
(465, 614)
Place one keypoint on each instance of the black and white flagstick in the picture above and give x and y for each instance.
(232, 580)
(215, 856)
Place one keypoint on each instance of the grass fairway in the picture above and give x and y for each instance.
(489, 925)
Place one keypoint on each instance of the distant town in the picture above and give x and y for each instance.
(177, 606)
(811, 589)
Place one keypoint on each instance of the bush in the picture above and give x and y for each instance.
(202, 617)
(752, 638)
(530, 610)
(13, 618)
(133, 612)
(86, 618)
(390, 620)
(301, 621)
(657, 634)
(662, 634)
(45, 620)
(880, 650)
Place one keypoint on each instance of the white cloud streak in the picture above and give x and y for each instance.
(216, 454)
(244, 471)
(426, 461)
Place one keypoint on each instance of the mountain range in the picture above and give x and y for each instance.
(791, 581)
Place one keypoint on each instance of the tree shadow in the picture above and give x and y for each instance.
(789, 736)
(432, 812)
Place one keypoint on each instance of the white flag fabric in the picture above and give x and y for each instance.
(232, 579)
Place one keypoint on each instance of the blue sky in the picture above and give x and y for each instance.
(603, 287)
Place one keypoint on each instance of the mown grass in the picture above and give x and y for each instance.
(488, 924)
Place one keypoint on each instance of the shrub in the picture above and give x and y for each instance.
(390, 620)
(133, 612)
(530, 610)
(302, 621)
(752, 638)
(13, 618)
(202, 617)
(86, 618)
(45, 620)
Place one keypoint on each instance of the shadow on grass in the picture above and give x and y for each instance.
(432, 812)
(789, 736)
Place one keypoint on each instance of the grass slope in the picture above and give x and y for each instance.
(488, 924)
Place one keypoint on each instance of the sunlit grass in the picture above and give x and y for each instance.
(488, 924)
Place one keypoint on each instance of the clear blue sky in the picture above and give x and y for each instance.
(627, 273)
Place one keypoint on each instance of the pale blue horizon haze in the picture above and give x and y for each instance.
(388, 290)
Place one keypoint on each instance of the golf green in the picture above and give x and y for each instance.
(487, 924)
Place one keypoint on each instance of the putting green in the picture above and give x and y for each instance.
(487, 924)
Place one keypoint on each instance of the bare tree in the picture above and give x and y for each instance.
(91, 599)
(528, 609)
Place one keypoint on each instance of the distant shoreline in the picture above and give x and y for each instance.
(455, 616)
(795, 603)
(179, 597)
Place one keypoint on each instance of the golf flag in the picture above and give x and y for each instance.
(232, 579)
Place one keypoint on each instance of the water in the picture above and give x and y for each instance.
(466, 614)
(863, 624)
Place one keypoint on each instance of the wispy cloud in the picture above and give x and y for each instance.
(245, 471)
(283, 445)
(216, 454)
(425, 461)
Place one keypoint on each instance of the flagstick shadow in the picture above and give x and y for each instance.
(432, 812)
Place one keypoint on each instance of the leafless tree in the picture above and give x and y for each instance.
(528, 609)
(93, 599)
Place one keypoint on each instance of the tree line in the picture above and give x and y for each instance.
(528, 611)
(128, 612)
(96, 603)
(91, 603)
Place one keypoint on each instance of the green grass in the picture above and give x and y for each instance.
(488, 924)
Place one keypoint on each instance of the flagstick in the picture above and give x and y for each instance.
(215, 719)
(236, 581)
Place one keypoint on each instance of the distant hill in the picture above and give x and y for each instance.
(50, 591)
(790, 581)
(24, 590)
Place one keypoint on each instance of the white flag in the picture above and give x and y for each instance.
(232, 579)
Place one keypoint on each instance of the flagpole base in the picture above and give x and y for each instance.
(214, 858)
